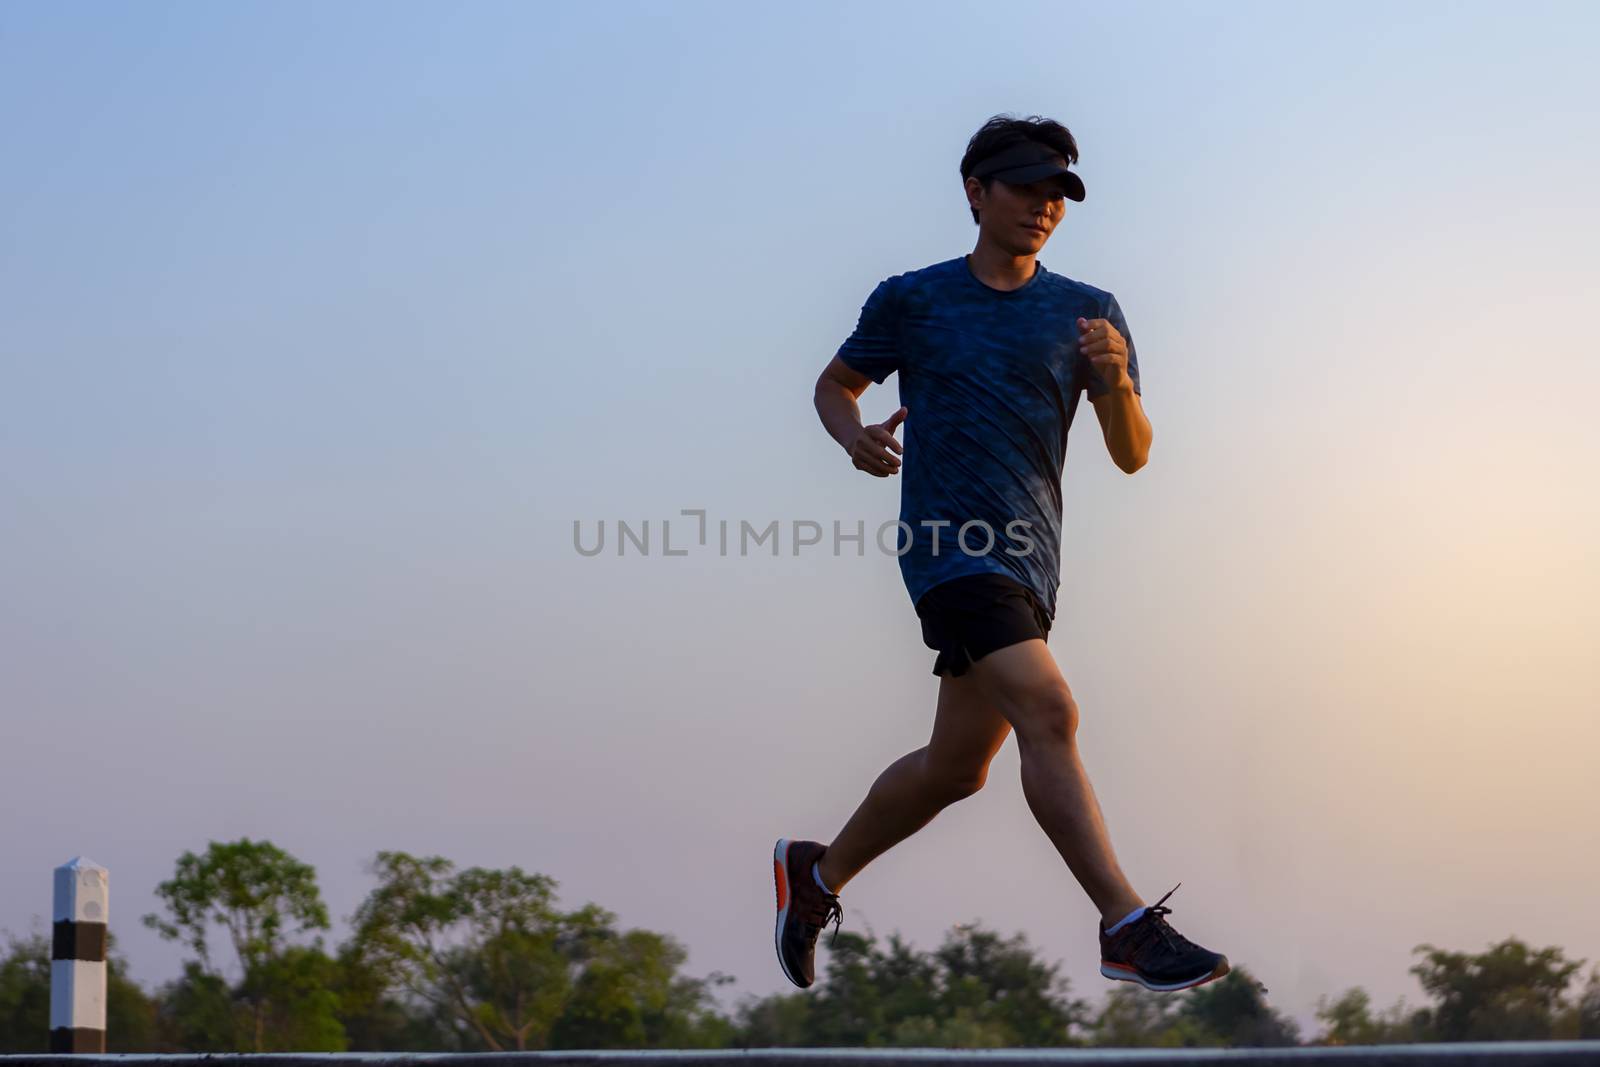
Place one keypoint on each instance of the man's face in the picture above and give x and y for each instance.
(1018, 218)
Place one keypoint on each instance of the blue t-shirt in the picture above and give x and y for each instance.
(991, 380)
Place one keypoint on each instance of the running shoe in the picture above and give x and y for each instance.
(804, 908)
(1150, 952)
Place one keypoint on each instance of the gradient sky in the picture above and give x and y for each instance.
(321, 324)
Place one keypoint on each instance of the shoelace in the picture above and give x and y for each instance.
(830, 912)
(1160, 930)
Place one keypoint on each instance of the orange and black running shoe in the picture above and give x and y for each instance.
(1150, 952)
(804, 908)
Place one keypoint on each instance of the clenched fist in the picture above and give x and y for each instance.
(875, 450)
(1105, 349)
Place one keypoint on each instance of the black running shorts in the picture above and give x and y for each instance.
(964, 619)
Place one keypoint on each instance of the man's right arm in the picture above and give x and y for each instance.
(871, 448)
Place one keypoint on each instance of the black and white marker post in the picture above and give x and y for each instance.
(78, 958)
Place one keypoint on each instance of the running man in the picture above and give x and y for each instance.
(992, 351)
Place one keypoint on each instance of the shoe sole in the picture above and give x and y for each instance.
(1119, 973)
(780, 883)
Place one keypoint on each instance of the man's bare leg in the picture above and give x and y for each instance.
(967, 732)
(1025, 685)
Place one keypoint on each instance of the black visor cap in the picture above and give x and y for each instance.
(1027, 162)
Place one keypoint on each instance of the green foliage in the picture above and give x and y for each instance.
(1233, 1011)
(485, 950)
(782, 1020)
(252, 889)
(1585, 1014)
(131, 1019)
(976, 990)
(284, 1004)
(25, 995)
(629, 995)
(1134, 1017)
(1507, 993)
(25, 1000)
(376, 1019)
(1349, 1020)
(1002, 984)
(489, 955)
(198, 1013)
(443, 960)
(298, 1008)
(260, 895)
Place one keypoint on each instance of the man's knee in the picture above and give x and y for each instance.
(953, 783)
(961, 787)
(1023, 683)
(1047, 714)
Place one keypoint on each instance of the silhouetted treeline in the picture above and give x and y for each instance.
(440, 959)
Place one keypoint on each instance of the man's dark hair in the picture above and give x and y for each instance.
(1003, 131)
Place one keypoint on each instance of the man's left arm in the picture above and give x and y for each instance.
(1116, 400)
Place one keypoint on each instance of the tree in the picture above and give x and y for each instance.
(377, 1021)
(252, 889)
(293, 1000)
(260, 895)
(490, 954)
(782, 1020)
(1509, 992)
(977, 990)
(1349, 1020)
(444, 937)
(1585, 1025)
(1132, 1017)
(25, 995)
(25, 1000)
(131, 1013)
(1234, 1010)
(869, 992)
(1003, 983)
(198, 1012)
(630, 995)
